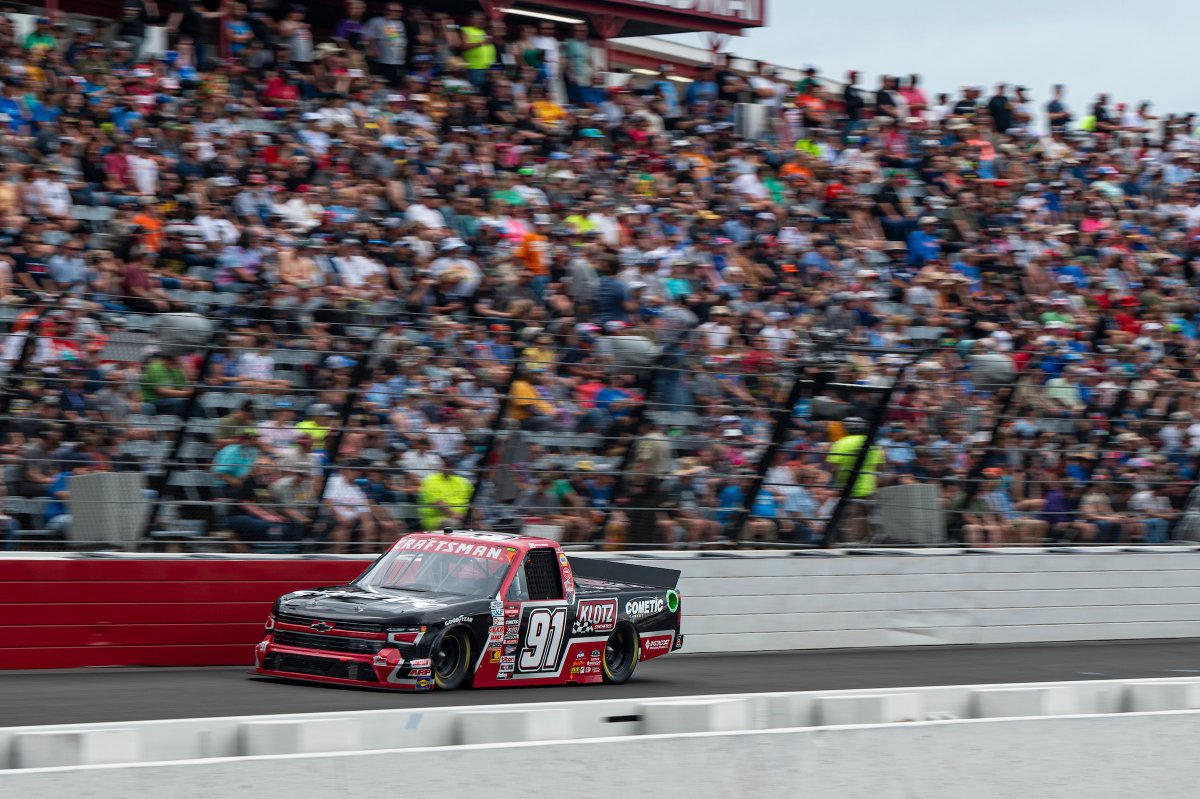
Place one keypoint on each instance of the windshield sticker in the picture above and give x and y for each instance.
(464, 548)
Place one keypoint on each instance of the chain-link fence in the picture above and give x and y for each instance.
(278, 427)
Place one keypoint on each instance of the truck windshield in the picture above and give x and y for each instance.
(436, 572)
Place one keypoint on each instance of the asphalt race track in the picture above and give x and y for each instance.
(90, 695)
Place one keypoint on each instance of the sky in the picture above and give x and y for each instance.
(1139, 50)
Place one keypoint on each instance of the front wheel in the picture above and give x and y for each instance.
(620, 654)
(451, 659)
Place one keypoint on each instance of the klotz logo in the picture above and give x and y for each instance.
(644, 606)
(596, 616)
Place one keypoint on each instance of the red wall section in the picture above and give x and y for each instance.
(182, 612)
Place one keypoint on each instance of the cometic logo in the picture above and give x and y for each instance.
(645, 606)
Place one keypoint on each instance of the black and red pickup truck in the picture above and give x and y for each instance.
(458, 608)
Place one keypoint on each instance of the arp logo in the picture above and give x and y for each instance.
(601, 614)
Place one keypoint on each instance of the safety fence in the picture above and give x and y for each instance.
(280, 426)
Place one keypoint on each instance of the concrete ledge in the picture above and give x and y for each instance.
(718, 714)
(1073, 757)
(1145, 696)
(496, 726)
(75, 748)
(868, 709)
(294, 737)
(147, 742)
(1020, 702)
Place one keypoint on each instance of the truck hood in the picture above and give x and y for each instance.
(352, 603)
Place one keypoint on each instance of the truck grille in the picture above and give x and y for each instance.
(319, 667)
(350, 627)
(328, 643)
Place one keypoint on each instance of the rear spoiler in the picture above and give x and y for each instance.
(619, 572)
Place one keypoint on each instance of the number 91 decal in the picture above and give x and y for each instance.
(543, 640)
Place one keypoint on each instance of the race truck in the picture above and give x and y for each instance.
(461, 607)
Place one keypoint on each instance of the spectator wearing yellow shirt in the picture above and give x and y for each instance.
(478, 49)
(318, 424)
(548, 116)
(540, 356)
(444, 497)
(529, 402)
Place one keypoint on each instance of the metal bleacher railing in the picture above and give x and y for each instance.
(690, 447)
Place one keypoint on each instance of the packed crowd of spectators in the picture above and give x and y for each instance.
(398, 213)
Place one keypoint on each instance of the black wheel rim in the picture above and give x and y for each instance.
(616, 652)
(448, 655)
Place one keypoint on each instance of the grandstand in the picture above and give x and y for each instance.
(263, 294)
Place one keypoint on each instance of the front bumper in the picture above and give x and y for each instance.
(386, 669)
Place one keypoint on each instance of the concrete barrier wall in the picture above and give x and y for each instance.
(178, 611)
(751, 603)
(1078, 757)
(296, 734)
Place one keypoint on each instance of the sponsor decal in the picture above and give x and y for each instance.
(508, 660)
(512, 623)
(422, 683)
(672, 601)
(644, 606)
(497, 607)
(420, 673)
(511, 649)
(595, 616)
(575, 669)
(467, 549)
(495, 638)
(502, 676)
(421, 663)
(657, 646)
(495, 656)
(595, 653)
(460, 620)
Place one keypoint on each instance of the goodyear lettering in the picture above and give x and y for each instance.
(460, 620)
(644, 606)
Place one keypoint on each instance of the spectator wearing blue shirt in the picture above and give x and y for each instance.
(234, 462)
(924, 245)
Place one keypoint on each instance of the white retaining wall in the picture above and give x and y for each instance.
(788, 602)
(1074, 757)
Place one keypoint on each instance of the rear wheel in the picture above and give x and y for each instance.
(620, 654)
(451, 659)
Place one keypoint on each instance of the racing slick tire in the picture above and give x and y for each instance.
(452, 659)
(621, 653)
